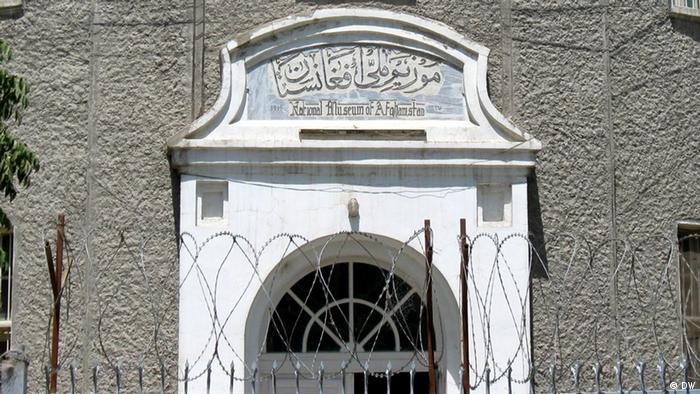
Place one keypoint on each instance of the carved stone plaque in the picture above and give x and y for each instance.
(355, 82)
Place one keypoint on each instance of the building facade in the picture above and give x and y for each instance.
(156, 119)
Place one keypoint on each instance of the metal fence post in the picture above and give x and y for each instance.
(343, 366)
(596, 375)
(618, 375)
(95, 370)
(684, 367)
(254, 378)
(141, 377)
(72, 378)
(553, 376)
(273, 376)
(366, 375)
(162, 377)
(662, 373)
(388, 378)
(231, 378)
(412, 376)
(47, 377)
(187, 374)
(510, 378)
(640, 369)
(488, 379)
(209, 377)
(320, 379)
(576, 372)
(296, 376)
(118, 376)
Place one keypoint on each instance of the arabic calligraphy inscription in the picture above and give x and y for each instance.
(355, 81)
(367, 67)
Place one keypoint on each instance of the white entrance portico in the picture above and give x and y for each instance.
(384, 109)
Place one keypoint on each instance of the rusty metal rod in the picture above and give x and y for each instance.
(464, 289)
(52, 269)
(432, 375)
(57, 275)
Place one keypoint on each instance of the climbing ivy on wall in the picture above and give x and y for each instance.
(17, 161)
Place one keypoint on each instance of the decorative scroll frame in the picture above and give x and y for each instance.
(340, 26)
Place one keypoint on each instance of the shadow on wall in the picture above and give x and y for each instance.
(335, 2)
(175, 193)
(536, 227)
(690, 28)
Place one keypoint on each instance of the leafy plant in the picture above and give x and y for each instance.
(17, 161)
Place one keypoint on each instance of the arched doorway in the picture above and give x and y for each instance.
(356, 306)
(354, 314)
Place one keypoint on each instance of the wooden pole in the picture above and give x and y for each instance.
(432, 375)
(464, 289)
(57, 276)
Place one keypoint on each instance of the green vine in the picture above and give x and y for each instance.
(17, 161)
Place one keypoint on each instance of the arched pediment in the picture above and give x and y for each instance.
(364, 71)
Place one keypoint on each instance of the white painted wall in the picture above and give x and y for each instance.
(392, 204)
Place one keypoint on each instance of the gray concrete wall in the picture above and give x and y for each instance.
(610, 90)
(110, 82)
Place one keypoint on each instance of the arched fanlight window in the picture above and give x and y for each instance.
(348, 307)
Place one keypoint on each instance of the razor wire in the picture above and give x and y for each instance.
(576, 310)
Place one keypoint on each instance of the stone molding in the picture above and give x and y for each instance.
(221, 127)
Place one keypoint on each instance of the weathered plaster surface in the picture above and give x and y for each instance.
(110, 82)
(108, 91)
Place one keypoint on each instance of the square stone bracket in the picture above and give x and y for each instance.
(10, 8)
(690, 13)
